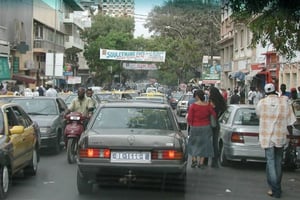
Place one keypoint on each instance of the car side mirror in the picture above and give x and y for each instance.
(17, 130)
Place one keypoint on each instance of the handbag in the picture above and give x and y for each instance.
(213, 121)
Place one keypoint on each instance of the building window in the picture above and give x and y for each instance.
(242, 39)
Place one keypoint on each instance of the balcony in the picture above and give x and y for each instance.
(74, 19)
(44, 46)
(74, 42)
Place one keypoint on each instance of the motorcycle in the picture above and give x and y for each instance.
(72, 133)
(290, 153)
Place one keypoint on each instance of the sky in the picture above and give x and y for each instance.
(142, 8)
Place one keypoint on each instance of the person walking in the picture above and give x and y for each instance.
(235, 98)
(276, 118)
(200, 140)
(219, 104)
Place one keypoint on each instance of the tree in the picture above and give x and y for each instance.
(193, 27)
(107, 33)
(271, 21)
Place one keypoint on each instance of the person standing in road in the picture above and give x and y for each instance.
(219, 104)
(276, 118)
(200, 141)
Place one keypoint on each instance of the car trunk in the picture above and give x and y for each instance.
(133, 139)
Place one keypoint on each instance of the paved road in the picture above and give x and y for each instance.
(56, 179)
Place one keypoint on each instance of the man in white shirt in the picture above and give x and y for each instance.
(51, 92)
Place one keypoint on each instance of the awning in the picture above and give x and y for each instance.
(210, 81)
(249, 77)
(24, 78)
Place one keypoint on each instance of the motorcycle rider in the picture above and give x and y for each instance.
(82, 104)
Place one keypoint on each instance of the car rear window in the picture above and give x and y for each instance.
(246, 116)
(137, 118)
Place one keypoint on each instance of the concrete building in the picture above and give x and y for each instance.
(117, 8)
(34, 28)
(244, 66)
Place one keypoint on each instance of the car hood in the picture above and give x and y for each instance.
(44, 120)
(133, 137)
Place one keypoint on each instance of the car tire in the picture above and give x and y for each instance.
(4, 181)
(31, 169)
(83, 186)
(223, 160)
(175, 182)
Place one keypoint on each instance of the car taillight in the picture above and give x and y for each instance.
(94, 153)
(237, 137)
(167, 155)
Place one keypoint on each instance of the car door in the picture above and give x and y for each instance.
(17, 140)
(28, 134)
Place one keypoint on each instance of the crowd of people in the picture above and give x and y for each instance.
(276, 117)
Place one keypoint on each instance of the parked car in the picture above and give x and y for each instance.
(19, 147)
(182, 105)
(132, 142)
(239, 137)
(48, 112)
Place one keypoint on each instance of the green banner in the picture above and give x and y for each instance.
(4, 69)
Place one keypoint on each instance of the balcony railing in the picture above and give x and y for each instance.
(74, 19)
(71, 41)
(46, 46)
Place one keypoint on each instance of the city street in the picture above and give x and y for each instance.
(56, 179)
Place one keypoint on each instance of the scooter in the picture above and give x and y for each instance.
(72, 133)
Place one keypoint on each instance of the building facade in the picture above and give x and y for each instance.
(34, 28)
(245, 66)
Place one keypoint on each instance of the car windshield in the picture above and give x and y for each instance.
(138, 118)
(246, 116)
(38, 106)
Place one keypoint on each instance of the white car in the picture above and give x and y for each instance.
(182, 105)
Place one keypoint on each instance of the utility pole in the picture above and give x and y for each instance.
(54, 46)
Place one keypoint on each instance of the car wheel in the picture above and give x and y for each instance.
(4, 181)
(83, 186)
(223, 159)
(31, 169)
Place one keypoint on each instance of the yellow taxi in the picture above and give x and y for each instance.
(19, 144)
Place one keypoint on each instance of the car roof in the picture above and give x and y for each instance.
(39, 97)
(135, 104)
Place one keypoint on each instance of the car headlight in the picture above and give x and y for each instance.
(45, 129)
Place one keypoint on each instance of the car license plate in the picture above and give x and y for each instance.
(130, 157)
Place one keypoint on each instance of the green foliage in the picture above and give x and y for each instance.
(107, 33)
(271, 21)
(193, 29)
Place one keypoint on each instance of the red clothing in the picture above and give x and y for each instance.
(199, 115)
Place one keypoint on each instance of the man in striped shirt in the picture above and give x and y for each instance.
(276, 118)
